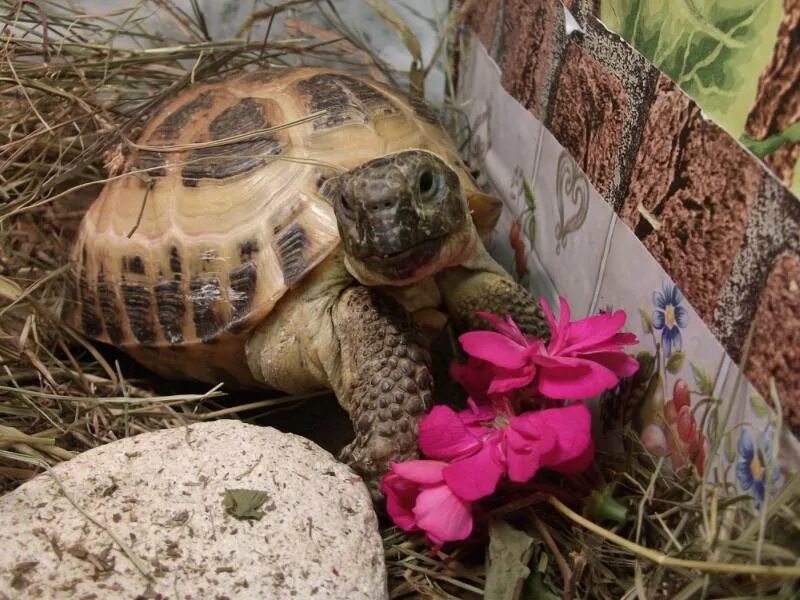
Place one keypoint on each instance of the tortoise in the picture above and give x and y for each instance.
(298, 229)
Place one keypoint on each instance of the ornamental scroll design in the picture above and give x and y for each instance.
(572, 190)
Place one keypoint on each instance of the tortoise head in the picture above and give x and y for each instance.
(402, 217)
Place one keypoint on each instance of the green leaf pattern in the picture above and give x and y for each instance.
(715, 50)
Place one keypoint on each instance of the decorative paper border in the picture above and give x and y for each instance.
(558, 235)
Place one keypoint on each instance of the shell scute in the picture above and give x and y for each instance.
(344, 99)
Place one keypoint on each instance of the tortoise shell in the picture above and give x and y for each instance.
(218, 211)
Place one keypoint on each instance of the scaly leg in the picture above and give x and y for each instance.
(386, 382)
(468, 291)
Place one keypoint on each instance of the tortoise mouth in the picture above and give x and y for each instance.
(407, 262)
(429, 244)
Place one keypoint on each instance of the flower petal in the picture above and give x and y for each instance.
(659, 299)
(494, 348)
(745, 445)
(674, 295)
(744, 475)
(593, 330)
(686, 425)
(476, 413)
(654, 440)
(681, 316)
(573, 426)
(676, 339)
(442, 515)
(427, 472)
(564, 314)
(577, 463)
(575, 379)
(444, 436)
(659, 319)
(528, 444)
(506, 326)
(474, 376)
(618, 363)
(548, 313)
(505, 383)
(666, 341)
(401, 495)
(476, 476)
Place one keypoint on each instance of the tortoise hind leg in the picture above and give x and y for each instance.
(387, 384)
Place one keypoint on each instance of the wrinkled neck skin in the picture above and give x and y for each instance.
(458, 249)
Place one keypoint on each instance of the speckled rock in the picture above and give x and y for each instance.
(161, 495)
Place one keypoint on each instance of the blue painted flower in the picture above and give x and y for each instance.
(754, 464)
(670, 317)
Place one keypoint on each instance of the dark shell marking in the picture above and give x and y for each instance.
(175, 262)
(290, 246)
(137, 304)
(171, 308)
(219, 162)
(248, 249)
(169, 130)
(242, 288)
(206, 294)
(154, 162)
(133, 264)
(345, 100)
(89, 317)
(109, 308)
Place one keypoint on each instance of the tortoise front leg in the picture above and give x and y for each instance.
(467, 291)
(386, 383)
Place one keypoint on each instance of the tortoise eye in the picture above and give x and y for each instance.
(346, 203)
(428, 185)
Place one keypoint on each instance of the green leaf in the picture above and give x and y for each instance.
(245, 504)
(759, 406)
(712, 426)
(602, 506)
(509, 553)
(538, 588)
(795, 185)
(702, 380)
(768, 145)
(675, 362)
(647, 321)
(647, 364)
(715, 50)
(527, 191)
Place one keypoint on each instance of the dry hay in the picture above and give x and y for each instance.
(74, 90)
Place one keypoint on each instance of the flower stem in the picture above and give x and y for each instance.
(669, 561)
(566, 573)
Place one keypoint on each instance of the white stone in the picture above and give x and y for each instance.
(161, 494)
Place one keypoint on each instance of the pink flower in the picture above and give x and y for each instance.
(417, 497)
(582, 359)
(510, 352)
(484, 443)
